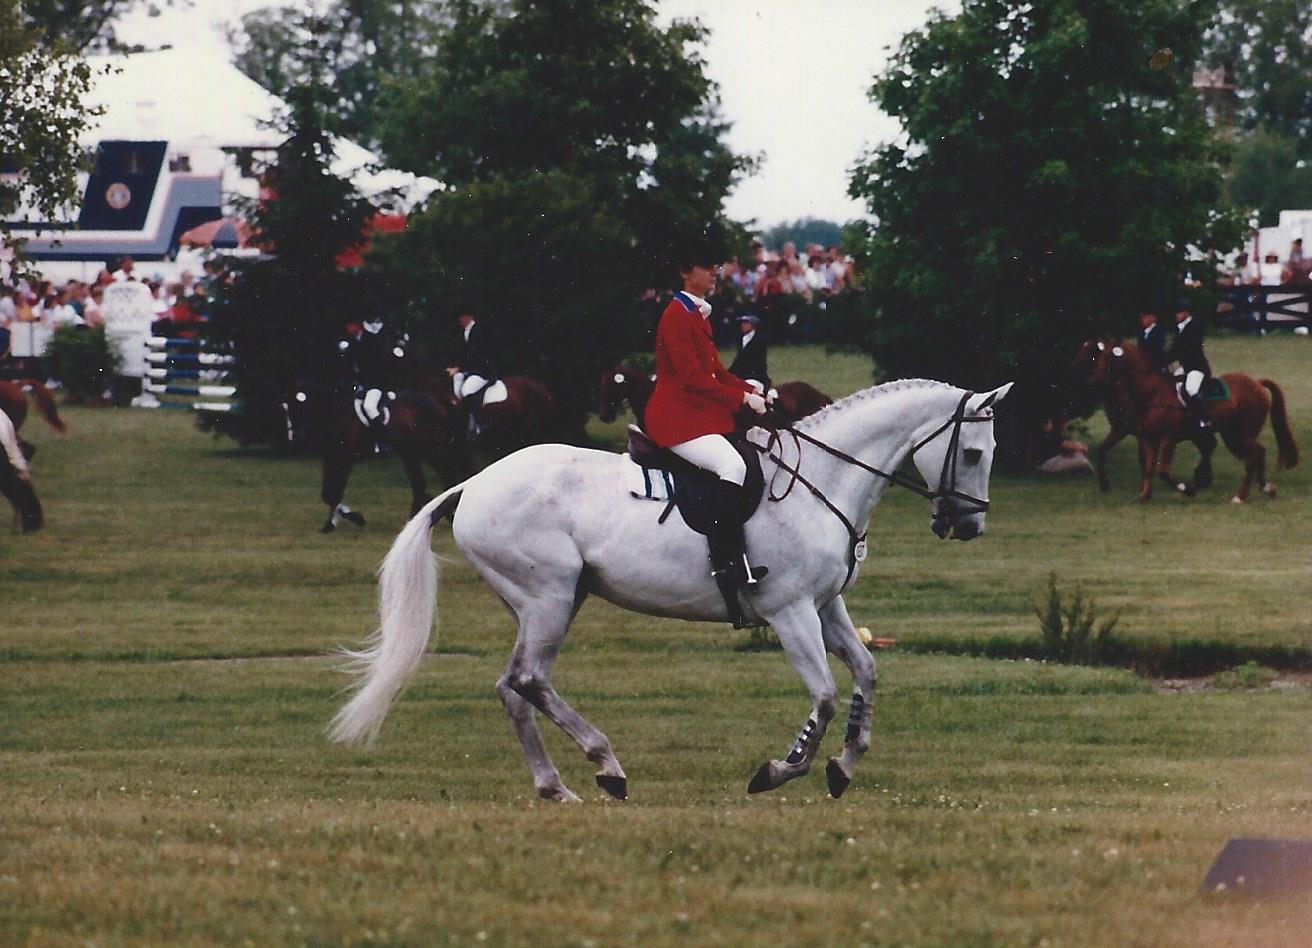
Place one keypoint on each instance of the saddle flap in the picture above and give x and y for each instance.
(694, 488)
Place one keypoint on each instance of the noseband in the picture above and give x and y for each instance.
(947, 481)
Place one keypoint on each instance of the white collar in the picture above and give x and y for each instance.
(747, 337)
(702, 306)
(1179, 327)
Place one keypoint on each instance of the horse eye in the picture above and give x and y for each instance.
(1118, 352)
(619, 378)
(973, 455)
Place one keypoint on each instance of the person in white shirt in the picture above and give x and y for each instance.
(124, 272)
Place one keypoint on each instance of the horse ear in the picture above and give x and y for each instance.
(989, 399)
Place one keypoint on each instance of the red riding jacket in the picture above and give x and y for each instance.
(695, 394)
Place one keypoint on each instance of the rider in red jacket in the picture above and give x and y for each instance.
(692, 409)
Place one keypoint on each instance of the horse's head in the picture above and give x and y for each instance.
(955, 457)
(1088, 360)
(615, 386)
(1110, 361)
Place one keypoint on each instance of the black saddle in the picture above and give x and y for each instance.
(694, 488)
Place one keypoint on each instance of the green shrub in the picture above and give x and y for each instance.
(84, 360)
(1072, 631)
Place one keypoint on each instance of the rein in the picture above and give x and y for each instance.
(947, 482)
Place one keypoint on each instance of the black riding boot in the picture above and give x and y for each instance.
(469, 406)
(1200, 423)
(728, 563)
(378, 434)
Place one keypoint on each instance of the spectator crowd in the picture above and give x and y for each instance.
(177, 305)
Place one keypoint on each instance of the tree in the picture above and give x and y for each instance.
(808, 230)
(577, 160)
(357, 44)
(1268, 176)
(77, 24)
(1048, 182)
(282, 312)
(41, 121)
(1268, 46)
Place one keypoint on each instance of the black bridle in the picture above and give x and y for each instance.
(947, 481)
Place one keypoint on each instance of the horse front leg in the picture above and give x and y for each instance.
(799, 632)
(1114, 437)
(1150, 450)
(336, 472)
(413, 463)
(841, 639)
(1254, 459)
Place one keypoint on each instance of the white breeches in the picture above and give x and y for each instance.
(370, 402)
(714, 453)
(1193, 383)
(469, 385)
(9, 444)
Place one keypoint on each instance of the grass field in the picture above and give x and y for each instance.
(165, 781)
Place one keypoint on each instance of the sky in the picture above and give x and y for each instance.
(793, 80)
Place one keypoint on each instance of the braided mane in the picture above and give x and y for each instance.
(865, 395)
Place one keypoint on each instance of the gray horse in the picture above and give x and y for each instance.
(551, 524)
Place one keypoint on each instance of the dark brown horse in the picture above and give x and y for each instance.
(527, 415)
(1116, 406)
(420, 429)
(624, 383)
(1149, 400)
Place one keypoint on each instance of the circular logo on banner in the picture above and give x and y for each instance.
(118, 195)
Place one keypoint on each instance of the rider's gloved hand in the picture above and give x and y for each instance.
(757, 387)
(755, 402)
(771, 395)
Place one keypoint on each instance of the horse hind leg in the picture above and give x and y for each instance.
(799, 631)
(1254, 465)
(542, 627)
(413, 464)
(841, 639)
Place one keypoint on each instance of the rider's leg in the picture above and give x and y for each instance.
(714, 453)
(472, 390)
(373, 411)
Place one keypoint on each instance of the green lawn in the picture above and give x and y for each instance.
(165, 781)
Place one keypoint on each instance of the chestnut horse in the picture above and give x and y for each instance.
(796, 399)
(13, 402)
(1149, 398)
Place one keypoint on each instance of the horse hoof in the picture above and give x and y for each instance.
(1269, 489)
(763, 780)
(355, 517)
(328, 527)
(838, 781)
(1238, 500)
(559, 793)
(1187, 489)
(618, 787)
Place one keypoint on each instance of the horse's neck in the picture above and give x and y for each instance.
(640, 388)
(1145, 384)
(877, 428)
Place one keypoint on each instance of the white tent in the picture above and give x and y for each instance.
(197, 100)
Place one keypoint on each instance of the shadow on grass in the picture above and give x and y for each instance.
(1186, 658)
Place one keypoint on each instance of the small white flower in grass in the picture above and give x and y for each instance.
(291, 910)
(481, 936)
(681, 917)
(1111, 853)
(850, 841)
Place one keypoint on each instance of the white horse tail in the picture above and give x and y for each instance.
(407, 610)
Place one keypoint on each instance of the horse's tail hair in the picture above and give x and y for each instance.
(1288, 450)
(45, 405)
(407, 610)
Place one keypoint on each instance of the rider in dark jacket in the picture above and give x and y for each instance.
(1188, 351)
(369, 364)
(1152, 341)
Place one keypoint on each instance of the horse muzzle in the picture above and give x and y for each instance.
(957, 527)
